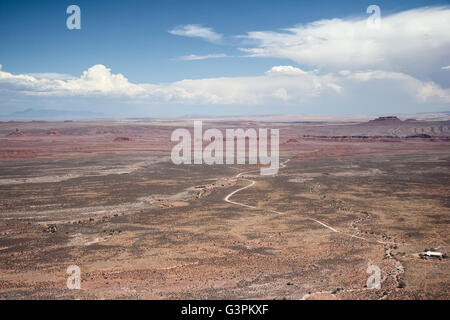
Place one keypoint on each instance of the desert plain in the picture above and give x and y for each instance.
(105, 196)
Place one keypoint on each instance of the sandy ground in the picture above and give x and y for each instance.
(140, 227)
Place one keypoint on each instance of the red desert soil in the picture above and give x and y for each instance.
(105, 196)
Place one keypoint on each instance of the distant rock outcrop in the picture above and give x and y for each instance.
(16, 133)
(421, 135)
(121, 139)
(386, 120)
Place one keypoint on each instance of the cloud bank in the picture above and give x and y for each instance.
(280, 85)
(415, 42)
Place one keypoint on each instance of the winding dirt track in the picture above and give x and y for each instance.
(376, 241)
(283, 165)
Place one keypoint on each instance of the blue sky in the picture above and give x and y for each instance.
(148, 42)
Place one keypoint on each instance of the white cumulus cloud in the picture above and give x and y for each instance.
(285, 70)
(97, 80)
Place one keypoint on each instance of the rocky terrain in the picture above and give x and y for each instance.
(104, 195)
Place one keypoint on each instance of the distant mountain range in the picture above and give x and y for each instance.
(52, 114)
(58, 115)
